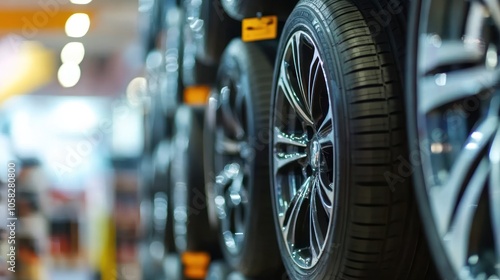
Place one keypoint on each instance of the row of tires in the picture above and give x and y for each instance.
(363, 143)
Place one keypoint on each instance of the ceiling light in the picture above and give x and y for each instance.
(80, 2)
(77, 25)
(73, 52)
(69, 74)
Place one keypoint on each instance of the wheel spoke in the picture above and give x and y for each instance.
(283, 159)
(454, 86)
(325, 191)
(494, 189)
(227, 146)
(316, 236)
(294, 210)
(239, 237)
(327, 122)
(234, 193)
(446, 53)
(325, 130)
(444, 198)
(297, 63)
(296, 99)
(475, 23)
(314, 71)
(287, 139)
(494, 10)
(457, 240)
(229, 240)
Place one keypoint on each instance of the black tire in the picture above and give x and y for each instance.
(152, 248)
(169, 238)
(240, 9)
(340, 144)
(218, 30)
(196, 72)
(191, 227)
(455, 133)
(161, 195)
(241, 118)
(155, 118)
(172, 86)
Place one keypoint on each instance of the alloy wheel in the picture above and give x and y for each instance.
(231, 162)
(303, 151)
(457, 115)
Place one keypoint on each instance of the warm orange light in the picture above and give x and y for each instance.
(196, 95)
(29, 22)
(195, 259)
(33, 68)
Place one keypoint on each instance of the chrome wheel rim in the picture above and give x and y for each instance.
(458, 122)
(231, 164)
(303, 151)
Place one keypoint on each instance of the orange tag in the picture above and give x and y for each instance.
(196, 95)
(257, 29)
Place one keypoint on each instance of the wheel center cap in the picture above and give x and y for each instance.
(314, 155)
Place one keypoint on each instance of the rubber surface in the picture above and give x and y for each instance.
(191, 226)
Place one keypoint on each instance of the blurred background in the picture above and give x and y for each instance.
(70, 74)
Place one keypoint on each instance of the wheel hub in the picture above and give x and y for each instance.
(315, 155)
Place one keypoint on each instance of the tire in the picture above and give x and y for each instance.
(169, 238)
(334, 142)
(239, 153)
(172, 83)
(156, 209)
(194, 70)
(241, 9)
(155, 120)
(162, 201)
(187, 191)
(455, 135)
(218, 30)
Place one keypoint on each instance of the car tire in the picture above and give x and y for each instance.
(337, 122)
(453, 110)
(237, 149)
(155, 124)
(161, 195)
(194, 70)
(218, 30)
(241, 9)
(191, 227)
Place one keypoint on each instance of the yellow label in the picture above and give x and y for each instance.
(256, 29)
(196, 95)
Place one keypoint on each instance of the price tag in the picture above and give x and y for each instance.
(257, 29)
